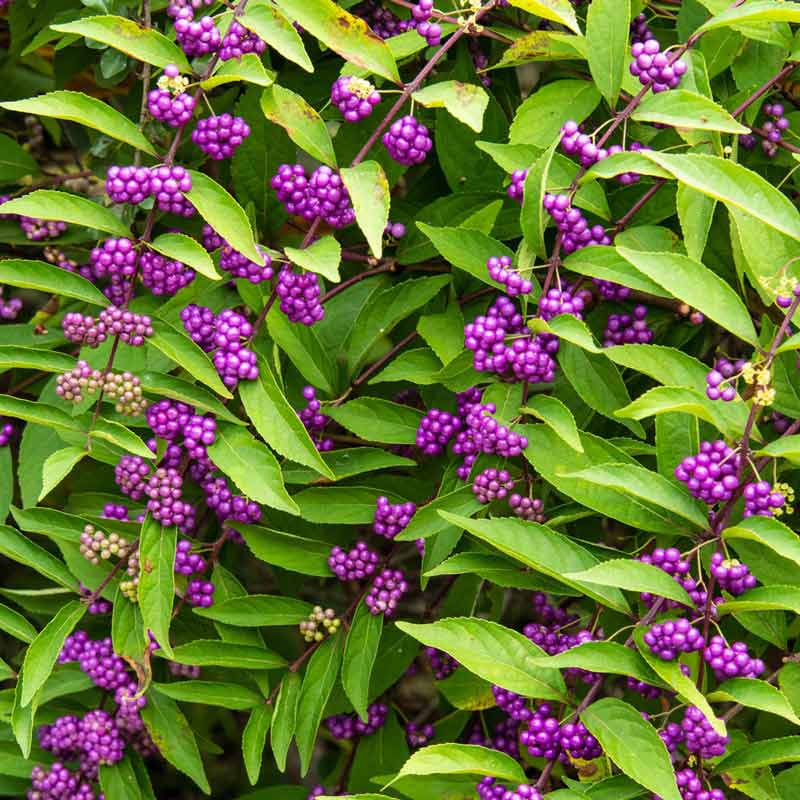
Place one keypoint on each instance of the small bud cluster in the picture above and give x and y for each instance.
(407, 141)
(354, 97)
(320, 623)
(97, 545)
(385, 593)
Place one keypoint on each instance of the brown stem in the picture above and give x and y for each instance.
(371, 370)
(263, 314)
(623, 221)
(764, 88)
(340, 287)
(445, 18)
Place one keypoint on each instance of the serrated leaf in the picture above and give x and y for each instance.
(542, 549)
(40, 658)
(496, 569)
(174, 737)
(284, 721)
(755, 694)
(257, 610)
(427, 520)
(633, 744)
(182, 350)
(12, 357)
(534, 218)
(183, 248)
(219, 209)
(305, 126)
(764, 598)
(213, 693)
(252, 467)
(360, 652)
(555, 414)
(787, 447)
(378, 420)
(467, 102)
(605, 263)
(607, 33)
(369, 193)
(115, 432)
(119, 781)
(213, 653)
(651, 488)
(543, 46)
(462, 759)
(18, 548)
(324, 257)
(348, 462)
(46, 277)
(769, 532)
(278, 32)
(754, 11)
(285, 550)
(13, 623)
(89, 111)
(696, 285)
(684, 109)
(157, 579)
(345, 34)
(493, 652)
(143, 44)
(762, 754)
(248, 68)
(57, 466)
(254, 738)
(331, 505)
(320, 677)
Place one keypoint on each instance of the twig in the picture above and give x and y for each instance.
(92, 598)
(340, 287)
(146, 75)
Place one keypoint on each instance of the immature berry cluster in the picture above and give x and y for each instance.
(385, 593)
(628, 328)
(299, 293)
(407, 141)
(133, 329)
(122, 388)
(354, 97)
(711, 475)
(391, 518)
(95, 545)
(358, 563)
(322, 195)
(320, 623)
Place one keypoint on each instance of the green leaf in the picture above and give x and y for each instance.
(466, 249)
(427, 520)
(462, 759)
(177, 346)
(555, 414)
(348, 462)
(696, 285)
(787, 447)
(634, 576)
(541, 549)
(360, 652)
(248, 68)
(467, 102)
(18, 548)
(444, 332)
(345, 505)
(277, 422)
(89, 111)
(605, 263)
(127, 631)
(164, 385)
(43, 651)
(15, 162)
(754, 11)
(213, 653)
(110, 431)
(252, 467)
(369, 192)
(119, 781)
(157, 579)
(12, 357)
(762, 754)
(534, 218)
(278, 32)
(285, 550)
(224, 695)
(258, 610)
(543, 46)
(695, 211)
(555, 10)
(733, 185)
(345, 34)
(143, 44)
(607, 33)
(46, 277)
(57, 466)
(305, 126)
(670, 673)
(254, 738)
(650, 487)
(611, 657)
(378, 420)
(180, 247)
(323, 257)
(496, 569)
(284, 721)
(384, 310)
(633, 744)
(541, 115)
(764, 598)
(493, 652)
(15, 624)
(755, 694)
(218, 208)
(320, 677)
(22, 719)
(769, 532)
(684, 109)
(174, 737)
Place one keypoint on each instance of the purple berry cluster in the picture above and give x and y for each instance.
(515, 705)
(385, 593)
(169, 102)
(492, 484)
(560, 301)
(354, 97)
(38, 230)
(711, 475)
(609, 290)
(670, 561)
(575, 230)
(322, 195)
(358, 563)
(299, 293)
(186, 562)
(431, 32)
(350, 726)
(442, 664)
(128, 184)
(169, 186)
(720, 380)
(314, 421)
(516, 186)
(407, 141)
(668, 639)
(628, 328)
(164, 489)
(542, 736)
(640, 30)
(6, 433)
(699, 737)
(219, 136)
(200, 593)
(762, 500)
(238, 41)
(196, 37)
(731, 662)
(577, 742)
(528, 508)
(436, 429)
(732, 576)
(419, 735)
(654, 68)
(774, 128)
(240, 266)
(383, 22)
(501, 270)
(490, 789)
(391, 518)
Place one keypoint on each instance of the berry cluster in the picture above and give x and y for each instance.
(711, 475)
(383, 22)
(628, 328)
(436, 429)
(133, 329)
(359, 563)
(528, 508)
(670, 561)
(500, 270)
(542, 736)
(732, 576)
(320, 623)
(442, 664)
(314, 421)
(430, 31)
(239, 41)
(124, 389)
(762, 500)
(299, 293)
(186, 562)
(196, 37)
(322, 195)
(492, 484)
(95, 545)
(350, 726)
(575, 231)
(240, 266)
(354, 97)
(385, 593)
(667, 639)
(490, 789)
(654, 68)
(391, 518)
(164, 488)
(731, 662)
(219, 136)
(419, 735)
(560, 301)
(407, 141)
(169, 102)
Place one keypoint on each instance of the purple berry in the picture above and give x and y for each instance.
(239, 41)
(731, 662)
(354, 97)
(299, 293)
(700, 737)
(219, 137)
(732, 576)
(628, 328)
(128, 184)
(390, 518)
(169, 184)
(435, 431)
(668, 639)
(385, 593)
(359, 563)
(407, 141)
(711, 475)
